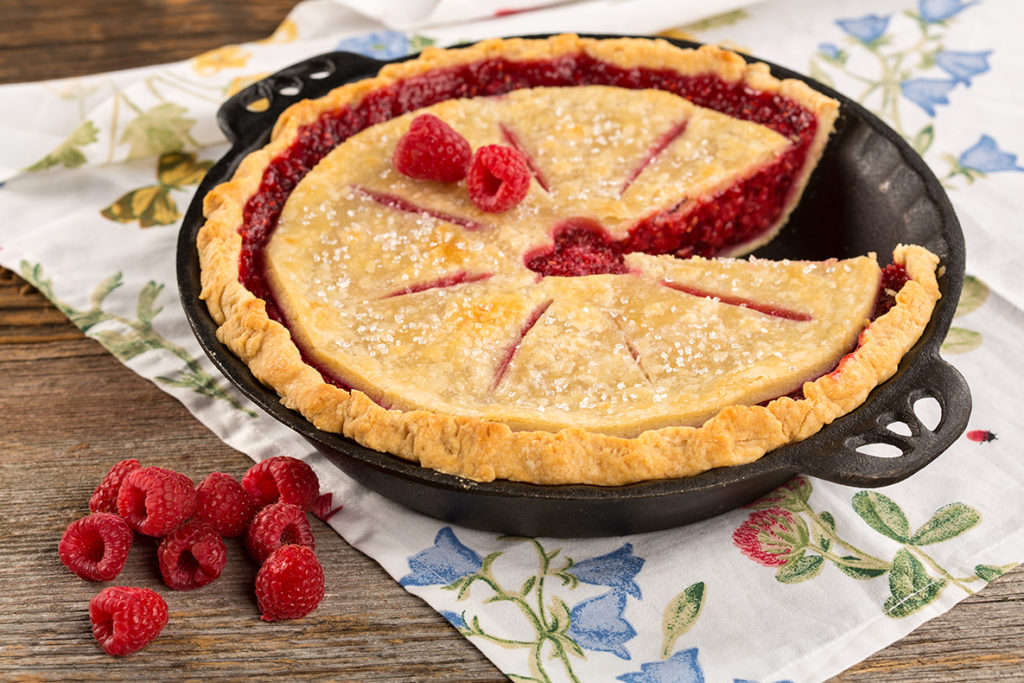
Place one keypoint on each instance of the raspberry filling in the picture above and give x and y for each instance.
(581, 247)
(767, 309)
(702, 226)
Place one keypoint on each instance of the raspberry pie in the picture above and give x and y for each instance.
(520, 260)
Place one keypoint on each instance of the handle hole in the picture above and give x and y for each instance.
(898, 427)
(321, 69)
(258, 105)
(288, 86)
(929, 412)
(880, 450)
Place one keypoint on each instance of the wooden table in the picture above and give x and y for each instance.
(58, 391)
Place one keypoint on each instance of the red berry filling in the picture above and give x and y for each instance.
(581, 247)
(125, 619)
(393, 201)
(96, 547)
(894, 276)
(767, 309)
(191, 556)
(510, 352)
(431, 150)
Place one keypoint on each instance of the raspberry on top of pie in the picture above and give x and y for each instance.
(590, 332)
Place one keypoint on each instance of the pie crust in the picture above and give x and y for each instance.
(416, 325)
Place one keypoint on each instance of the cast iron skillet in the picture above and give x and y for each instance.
(869, 193)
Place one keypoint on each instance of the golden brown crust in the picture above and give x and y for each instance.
(482, 450)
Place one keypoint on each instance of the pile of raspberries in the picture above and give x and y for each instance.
(268, 507)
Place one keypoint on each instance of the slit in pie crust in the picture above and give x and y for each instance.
(604, 330)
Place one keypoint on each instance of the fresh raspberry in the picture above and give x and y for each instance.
(124, 619)
(154, 500)
(431, 150)
(104, 498)
(282, 478)
(498, 178)
(191, 556)
(277, 525)
(96, 547)
(222, 503)
(290, 584)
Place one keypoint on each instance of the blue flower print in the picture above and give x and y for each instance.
(829, 50)
(682, 667)
(615, 570)
(927, 92)
(456, 620)
(865, 29)
(963, 65)
(447, 561)
(378, 44)
(986, 157)
(934, 11)
(597, 624)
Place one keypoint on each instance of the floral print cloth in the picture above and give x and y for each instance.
(797, 586)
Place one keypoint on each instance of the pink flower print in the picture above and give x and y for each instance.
(771, 537)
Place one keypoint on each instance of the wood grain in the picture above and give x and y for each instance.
(57, 439)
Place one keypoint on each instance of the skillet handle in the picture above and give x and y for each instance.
(248, 116)
(842, 463)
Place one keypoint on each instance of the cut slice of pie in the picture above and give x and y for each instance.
(594, 332)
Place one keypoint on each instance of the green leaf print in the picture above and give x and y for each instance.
(680, 615)
(163, 128)
(882, 514)
(826, 531)
(947, 522)
(131, 338)
(924, 139)
(68, 154)
(180, 169)
(911, 586)
(849, 566)
(960, 340)
(418, 42)
(987, 572)
(153, 205)
(972, 296)
(799, 568)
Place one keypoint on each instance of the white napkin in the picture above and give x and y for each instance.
(96, 172)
